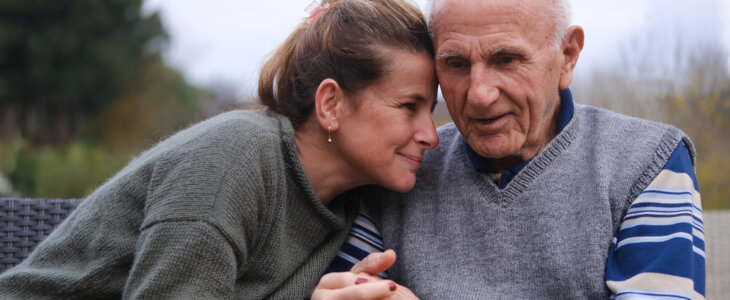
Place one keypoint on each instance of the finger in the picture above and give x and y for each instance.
(337, 280)
(371, 290)
(403, 293)
(375, 263)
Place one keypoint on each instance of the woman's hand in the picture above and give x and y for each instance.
(362, 281)
(348, 285)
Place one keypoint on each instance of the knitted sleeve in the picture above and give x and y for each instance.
(659, 250)
(182, 260)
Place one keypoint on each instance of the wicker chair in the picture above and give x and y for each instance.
(26, 222)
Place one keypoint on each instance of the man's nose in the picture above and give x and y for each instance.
(482, 86)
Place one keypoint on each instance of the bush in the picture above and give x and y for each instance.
(70, 172)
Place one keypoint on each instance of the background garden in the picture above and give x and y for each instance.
(84, 88)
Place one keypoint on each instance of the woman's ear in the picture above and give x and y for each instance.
(327, 102)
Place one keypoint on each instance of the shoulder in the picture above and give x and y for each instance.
(603, 120)
(449, 153)
(630, 152)
(448, 132)
(232, 126)
(231, 160)
(449, 140)
(236, 140)
(624, 135)
(231, 135)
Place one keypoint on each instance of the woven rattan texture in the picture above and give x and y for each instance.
(26, 222)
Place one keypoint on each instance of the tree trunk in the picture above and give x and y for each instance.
(8, 121)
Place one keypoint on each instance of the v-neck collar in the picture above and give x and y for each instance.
(481, 164)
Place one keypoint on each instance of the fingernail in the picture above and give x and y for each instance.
(392, 286)
(361, 280)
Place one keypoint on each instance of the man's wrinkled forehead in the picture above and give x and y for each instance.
(480, 12)
(441, 9)
(436, 6)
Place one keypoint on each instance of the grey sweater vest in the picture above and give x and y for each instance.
(546, 234)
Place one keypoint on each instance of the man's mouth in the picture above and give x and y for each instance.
(491, 123)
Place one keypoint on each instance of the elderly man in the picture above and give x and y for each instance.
(529, 195)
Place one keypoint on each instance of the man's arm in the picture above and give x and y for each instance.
(660, 248)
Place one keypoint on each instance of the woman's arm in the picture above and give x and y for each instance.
(182, 259)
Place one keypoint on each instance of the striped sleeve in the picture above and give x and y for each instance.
(364, 238)
(659, 250)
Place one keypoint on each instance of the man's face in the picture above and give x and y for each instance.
(499, 74)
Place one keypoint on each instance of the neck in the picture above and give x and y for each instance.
(328, 174)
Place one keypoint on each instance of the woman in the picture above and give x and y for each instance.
(244, 205)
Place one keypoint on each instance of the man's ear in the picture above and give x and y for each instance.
(327, 102)
(571, 48)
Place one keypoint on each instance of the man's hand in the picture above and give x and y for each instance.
(362, 281)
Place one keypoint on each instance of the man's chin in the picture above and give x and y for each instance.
(495, 146)
(492, 151)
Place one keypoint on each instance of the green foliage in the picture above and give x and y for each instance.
(702, 110)
(62, 60)
(159, 103)
(9, 154)
(71, 172)
(82, 87)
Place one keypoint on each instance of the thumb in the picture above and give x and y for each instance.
(375, 263)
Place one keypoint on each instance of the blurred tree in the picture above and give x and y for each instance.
(63, 60)
(702, 109)
(679, 78)
(158, 103)
(222, 95)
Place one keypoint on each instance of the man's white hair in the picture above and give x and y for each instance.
(561, 11)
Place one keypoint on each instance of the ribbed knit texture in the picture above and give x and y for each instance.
(545, 235)
(220, 210)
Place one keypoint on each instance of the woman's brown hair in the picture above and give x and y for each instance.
(344, 43)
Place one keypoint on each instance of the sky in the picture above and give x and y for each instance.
(224, 42)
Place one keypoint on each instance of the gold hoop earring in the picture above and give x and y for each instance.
(329, 134)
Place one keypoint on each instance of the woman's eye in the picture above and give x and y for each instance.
(410, 106)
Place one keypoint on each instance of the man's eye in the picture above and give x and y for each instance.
(455, 64)
(505, 60)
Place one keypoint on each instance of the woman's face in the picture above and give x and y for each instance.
(385, 137)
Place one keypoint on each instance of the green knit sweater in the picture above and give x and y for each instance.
(220, 210)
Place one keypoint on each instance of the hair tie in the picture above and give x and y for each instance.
(314, 10)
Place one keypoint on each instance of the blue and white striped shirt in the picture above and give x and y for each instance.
(659, 251)
(363, 239)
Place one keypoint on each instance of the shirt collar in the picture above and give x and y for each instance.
(481, 164)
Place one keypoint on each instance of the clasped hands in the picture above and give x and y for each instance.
(362, 282)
